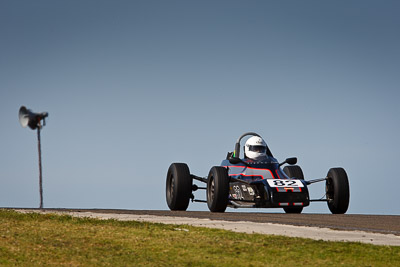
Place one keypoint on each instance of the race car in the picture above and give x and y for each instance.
(255, 181)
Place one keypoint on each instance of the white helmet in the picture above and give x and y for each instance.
(255, 148)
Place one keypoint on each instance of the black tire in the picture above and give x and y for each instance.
(217, 189)
(337, 191)
(179, 186)
(293, 172)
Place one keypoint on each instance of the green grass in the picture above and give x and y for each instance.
(35, 239)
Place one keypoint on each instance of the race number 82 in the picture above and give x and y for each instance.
(285, 183)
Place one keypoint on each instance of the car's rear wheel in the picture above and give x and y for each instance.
(337, 190)
(179, 186)
(217, 189)
(293, 172)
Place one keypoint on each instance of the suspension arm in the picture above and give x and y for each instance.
(316, 180)
(201, 179)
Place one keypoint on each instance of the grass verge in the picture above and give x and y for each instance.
(35, 239)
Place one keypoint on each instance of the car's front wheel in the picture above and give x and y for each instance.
(337, 190)
(217, 189)
(178, 186)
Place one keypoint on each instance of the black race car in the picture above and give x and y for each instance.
(246, 183)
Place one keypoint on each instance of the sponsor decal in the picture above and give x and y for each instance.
(238, 192)
(251, 191)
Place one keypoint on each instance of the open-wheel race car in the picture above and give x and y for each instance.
(256, 181)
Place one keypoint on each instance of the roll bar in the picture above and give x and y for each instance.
(236, 152)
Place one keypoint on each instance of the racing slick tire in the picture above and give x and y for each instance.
(337, 190)
(178, 186)
(293, 172)
(217, 189)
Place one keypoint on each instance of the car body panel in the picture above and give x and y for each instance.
(263, 184)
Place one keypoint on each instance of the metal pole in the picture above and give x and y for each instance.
(40, 170)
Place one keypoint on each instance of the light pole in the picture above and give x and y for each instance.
(33, 120)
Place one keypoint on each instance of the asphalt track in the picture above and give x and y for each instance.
(383, 224)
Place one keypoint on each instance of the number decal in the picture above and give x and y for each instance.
(284, 183)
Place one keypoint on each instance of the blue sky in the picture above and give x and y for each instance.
(132, 86)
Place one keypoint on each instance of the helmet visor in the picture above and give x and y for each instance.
(259, 149)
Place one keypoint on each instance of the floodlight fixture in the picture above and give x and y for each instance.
(34, 121)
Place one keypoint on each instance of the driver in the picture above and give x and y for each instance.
(255, 148)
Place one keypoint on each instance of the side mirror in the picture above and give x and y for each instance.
(290, 161)
(229, 155)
